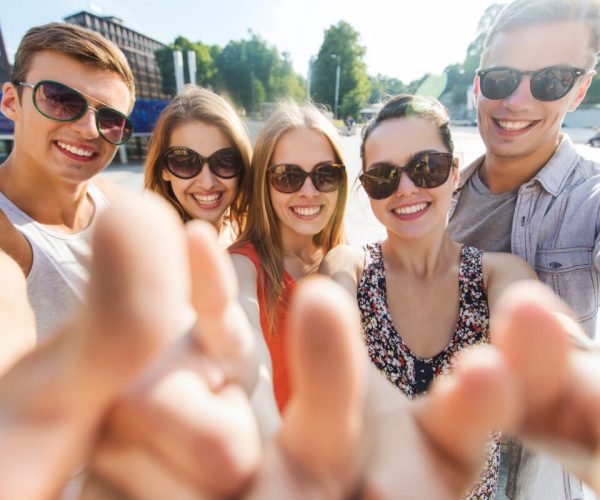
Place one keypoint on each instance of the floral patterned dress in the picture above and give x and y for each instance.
(411, 373)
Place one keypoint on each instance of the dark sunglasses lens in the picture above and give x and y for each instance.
(182, 163)
(499, 83)
(114, 127)
(328, 177)
(59, 102)
(381, 181)
(226, 163)
(430, 170)
(287, 178)
(553, 83)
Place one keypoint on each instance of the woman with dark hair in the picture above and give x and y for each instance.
(422, 296)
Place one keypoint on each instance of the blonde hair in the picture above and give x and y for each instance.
(82, 44)
(522, 13)
(198, 104)
(262, 229)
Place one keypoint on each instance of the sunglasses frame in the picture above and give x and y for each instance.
(314, 172)
(576, 72)
(394, 183)
(204, 160)
(85, 97)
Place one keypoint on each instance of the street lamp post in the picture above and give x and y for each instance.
(337, 85)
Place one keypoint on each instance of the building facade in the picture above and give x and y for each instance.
(139, 50)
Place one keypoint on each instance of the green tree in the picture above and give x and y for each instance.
(253, 71)
(383, 86)
(341, 44)
(205, 65)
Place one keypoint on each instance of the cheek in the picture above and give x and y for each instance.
(231, 186)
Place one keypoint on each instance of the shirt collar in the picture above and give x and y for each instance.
(551, 176)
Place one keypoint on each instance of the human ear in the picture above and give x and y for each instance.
(10, 104)
(581, 91)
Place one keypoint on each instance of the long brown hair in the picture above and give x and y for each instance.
(262, 229)
(198, 104)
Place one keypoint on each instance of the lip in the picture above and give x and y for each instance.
(412, 216)
(79, 146)
(513, 133)
(207, 206)
(318, 210)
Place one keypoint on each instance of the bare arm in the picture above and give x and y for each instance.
(263, 397)
(344, 264)
(17, 323)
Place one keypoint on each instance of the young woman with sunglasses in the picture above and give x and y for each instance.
(295, 216)
(198, 158)
(422, 296)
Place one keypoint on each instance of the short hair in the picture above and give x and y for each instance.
(521, 13)
(405, 105)
(82, 44)
(198, 104)
(262, 228)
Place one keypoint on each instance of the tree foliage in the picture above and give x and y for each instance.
(249, 71)
(384, 86)
(341, 44)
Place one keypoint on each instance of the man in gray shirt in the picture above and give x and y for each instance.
(531, 193)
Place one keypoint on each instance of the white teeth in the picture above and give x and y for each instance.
(207, 199)
(307, 211)
(74, 150)
(512, 125)
(411, 209)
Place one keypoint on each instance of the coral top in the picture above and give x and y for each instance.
(276, 341)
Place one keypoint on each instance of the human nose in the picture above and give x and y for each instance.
(521, 98)
(205, 178)
(405, 185)
(86, 125)
(308, 188)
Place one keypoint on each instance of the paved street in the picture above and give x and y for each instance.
(361, 225)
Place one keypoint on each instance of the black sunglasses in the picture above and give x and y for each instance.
(547, 84)
(289, 178)
(185, 163)
(426, 170)
(59, 102)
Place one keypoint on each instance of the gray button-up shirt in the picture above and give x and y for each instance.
(555, 228)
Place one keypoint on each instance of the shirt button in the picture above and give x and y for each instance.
(555, 265)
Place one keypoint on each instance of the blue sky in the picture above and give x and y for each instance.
(404, 38)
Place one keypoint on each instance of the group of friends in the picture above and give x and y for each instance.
(194, 343)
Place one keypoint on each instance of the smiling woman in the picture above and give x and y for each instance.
(295, 216)
(198, 159)
(423, 297)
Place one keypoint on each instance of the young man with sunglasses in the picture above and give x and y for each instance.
(69, 97)
(531, 193)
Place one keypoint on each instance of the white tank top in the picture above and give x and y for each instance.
(59, 271)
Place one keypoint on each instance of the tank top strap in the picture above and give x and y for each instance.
(249, 252)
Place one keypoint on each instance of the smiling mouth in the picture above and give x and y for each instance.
(207, 199)
(514, 125)
(307, 211)
(83, 153)
(411, 209)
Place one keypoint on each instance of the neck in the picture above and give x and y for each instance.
(47, 200)
(423, 258)
(501, 174)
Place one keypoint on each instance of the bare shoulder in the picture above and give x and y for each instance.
(111, 190)
(14, 244)
(502, 263)
(344, 264)
(342, 258)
